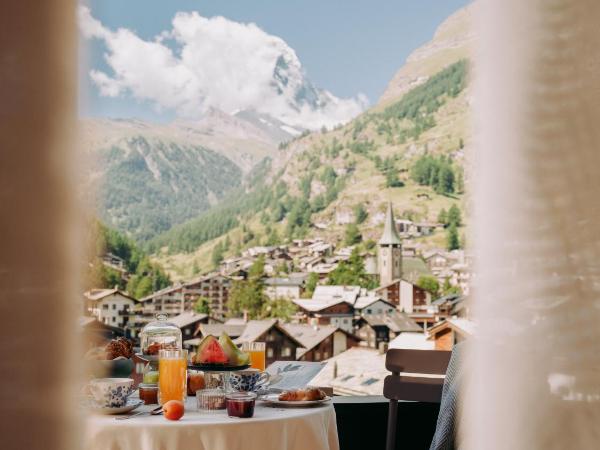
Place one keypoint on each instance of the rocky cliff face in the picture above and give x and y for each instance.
(451, 42)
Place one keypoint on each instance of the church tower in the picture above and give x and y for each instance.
(389, 254)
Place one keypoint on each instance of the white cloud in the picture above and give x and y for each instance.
(214, 62)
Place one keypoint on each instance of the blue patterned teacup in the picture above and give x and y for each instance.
(111, 392)
(248, 380)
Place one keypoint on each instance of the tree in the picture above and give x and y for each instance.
(392, 180)
(352, 236)
(217, 254)
(448, 289)
(248, 295)
(443, 216)
(460, 180)
(360, 214)
(454, 216)
(202, 305)
(445, 179)
(370, 244)
(280, 308)
(352, 272)
(273, 238)
(311, 284)
(453, 241)
(318, 203)
(278, 212)
(429, 283)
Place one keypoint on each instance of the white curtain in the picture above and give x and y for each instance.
(533, 373)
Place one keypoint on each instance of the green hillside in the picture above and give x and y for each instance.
(145, 275)
(410, 152)
(151, 185)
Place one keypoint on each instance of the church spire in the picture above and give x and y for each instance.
(390, 234)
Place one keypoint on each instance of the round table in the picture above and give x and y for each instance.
(271, 428)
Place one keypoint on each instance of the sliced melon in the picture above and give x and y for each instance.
(210, 352)
(235, 355)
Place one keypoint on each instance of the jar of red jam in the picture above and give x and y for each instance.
(148, 393)
(240, 404)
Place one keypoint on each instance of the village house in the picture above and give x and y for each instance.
(322, 269)
(253, 252)
(461, 277)
(451, 331)
(448, 306)
(370, 303)
(290, 287)
(320, 342)
(280, 345)
(113, 261)
(376, 329)
(331, 305)
(189, 322)
(437, 260)
(182, 297)
(320, 248)
(110, 306)
(406, 296)
(95, 333)
(403, 226)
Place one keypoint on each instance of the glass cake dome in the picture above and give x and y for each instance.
(159, 334)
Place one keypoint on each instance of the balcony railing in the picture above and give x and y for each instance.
(362, 423)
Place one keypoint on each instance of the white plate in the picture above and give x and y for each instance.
(132, 403)
(274, 399)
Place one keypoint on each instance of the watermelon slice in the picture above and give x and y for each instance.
(210, 352)
(235, 355)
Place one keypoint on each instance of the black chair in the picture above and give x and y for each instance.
(412, 387)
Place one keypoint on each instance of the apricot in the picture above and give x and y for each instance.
(173, 410)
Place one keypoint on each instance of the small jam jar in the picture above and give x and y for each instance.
(240, 404)
(148, 393)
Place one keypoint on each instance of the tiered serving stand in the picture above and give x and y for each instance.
(222, 369)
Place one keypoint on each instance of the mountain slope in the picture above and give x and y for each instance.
(451, 42)
(148, 185)
(317, 183)
(149, 177)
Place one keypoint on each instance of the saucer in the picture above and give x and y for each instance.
(132, 403)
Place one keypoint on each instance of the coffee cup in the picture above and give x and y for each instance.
(250, 380)
(111, 392)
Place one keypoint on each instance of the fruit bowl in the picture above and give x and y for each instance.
(217, 367)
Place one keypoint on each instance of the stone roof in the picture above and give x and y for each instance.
(187, 318)
(216, 329)
(357, 371)
(396, 321)
(326, 296)
(412, 341)
(462, 325)
(390, 233)
(309, 336)
(99, 294)
(255, 328)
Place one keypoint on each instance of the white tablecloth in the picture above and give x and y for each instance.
(271, 428)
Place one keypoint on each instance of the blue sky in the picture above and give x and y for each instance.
(347, 47)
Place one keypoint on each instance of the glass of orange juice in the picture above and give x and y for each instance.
(172, 375)
(256, 350)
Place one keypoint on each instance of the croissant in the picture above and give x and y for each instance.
(302, 395)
